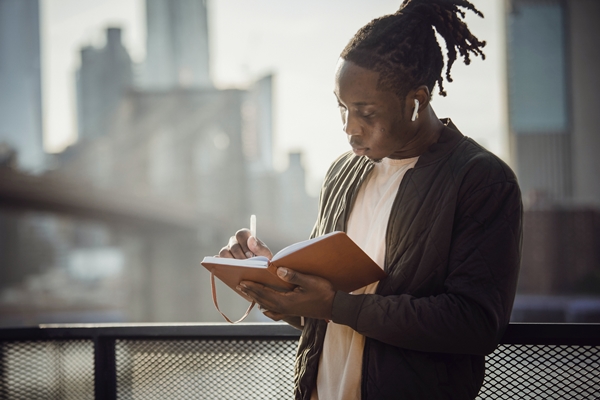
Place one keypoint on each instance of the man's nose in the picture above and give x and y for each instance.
(351, 125)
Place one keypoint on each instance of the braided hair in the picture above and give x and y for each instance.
(403, 48)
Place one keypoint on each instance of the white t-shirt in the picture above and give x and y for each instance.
(340, 366)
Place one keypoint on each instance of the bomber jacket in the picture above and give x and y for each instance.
(453, 245)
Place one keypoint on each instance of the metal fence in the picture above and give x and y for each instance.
(255, 361)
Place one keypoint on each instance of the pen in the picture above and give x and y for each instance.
(253, 225)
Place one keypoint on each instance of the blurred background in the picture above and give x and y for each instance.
(136, 136)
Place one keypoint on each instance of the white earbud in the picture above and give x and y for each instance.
(415, 114)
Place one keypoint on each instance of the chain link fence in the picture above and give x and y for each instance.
(240, 362)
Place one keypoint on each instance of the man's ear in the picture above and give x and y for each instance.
(422, 94)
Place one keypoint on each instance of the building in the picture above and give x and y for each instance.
(20, 83)
(177, 44)
(103, 78)
(554, 92)
(553, 61)
(257, 135)
(177, 141)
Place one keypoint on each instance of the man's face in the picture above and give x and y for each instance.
(372, 118)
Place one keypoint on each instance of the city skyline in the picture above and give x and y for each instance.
(299, 44)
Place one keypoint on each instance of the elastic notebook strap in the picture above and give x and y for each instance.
(213, 288)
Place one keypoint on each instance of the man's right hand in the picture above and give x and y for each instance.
(242, 245)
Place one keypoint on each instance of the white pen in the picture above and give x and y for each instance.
(253, 225)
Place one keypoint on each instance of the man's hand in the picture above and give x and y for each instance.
(242, 245)
(312, 297)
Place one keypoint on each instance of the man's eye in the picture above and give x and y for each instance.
(368, 115)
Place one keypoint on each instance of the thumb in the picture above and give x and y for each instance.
(259, 248)
(300, 279)
(290, 276)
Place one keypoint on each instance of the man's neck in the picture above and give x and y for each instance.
(428, 132)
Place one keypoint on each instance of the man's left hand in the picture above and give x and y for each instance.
(312, 297)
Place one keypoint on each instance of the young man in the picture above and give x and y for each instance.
(440, 214)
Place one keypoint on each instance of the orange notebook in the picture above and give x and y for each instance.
(334, 257)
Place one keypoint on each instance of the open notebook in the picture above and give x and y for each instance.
(333, 256)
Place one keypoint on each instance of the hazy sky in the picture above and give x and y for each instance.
(299, 42)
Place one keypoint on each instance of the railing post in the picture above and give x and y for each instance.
(3, 387)
(105, 368)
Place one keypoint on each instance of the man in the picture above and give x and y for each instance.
(440, 214)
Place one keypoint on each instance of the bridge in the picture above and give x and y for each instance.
(56, 194)
(162, 239)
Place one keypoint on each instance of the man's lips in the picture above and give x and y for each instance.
(359, 151)
(357, 147)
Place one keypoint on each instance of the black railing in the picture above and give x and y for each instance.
(255, 361)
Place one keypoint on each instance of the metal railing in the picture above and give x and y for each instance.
(255, 361)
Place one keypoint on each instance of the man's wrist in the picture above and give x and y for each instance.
(346, 308)
(329, 307)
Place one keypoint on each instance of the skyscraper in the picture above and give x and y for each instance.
(553, 97)
(20, 82)
(102, 80)
(554, 93)
(257, 130)
(177, 44)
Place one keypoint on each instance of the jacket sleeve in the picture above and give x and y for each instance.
(470, 313)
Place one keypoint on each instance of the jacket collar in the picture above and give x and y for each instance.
(448, 140)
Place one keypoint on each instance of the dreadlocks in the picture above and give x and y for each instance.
(403, 48)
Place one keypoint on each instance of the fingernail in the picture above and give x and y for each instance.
(282, 272)
(252, 241)
(249, 254)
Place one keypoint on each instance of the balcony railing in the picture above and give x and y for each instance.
(255, 361)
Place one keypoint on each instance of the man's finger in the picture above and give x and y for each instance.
(242, 238)
(232, 241)
(312, 297)
(237, 252)
(267, 297)
(273, 315)
(257, 247)
(291, 276)
(225, 253)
